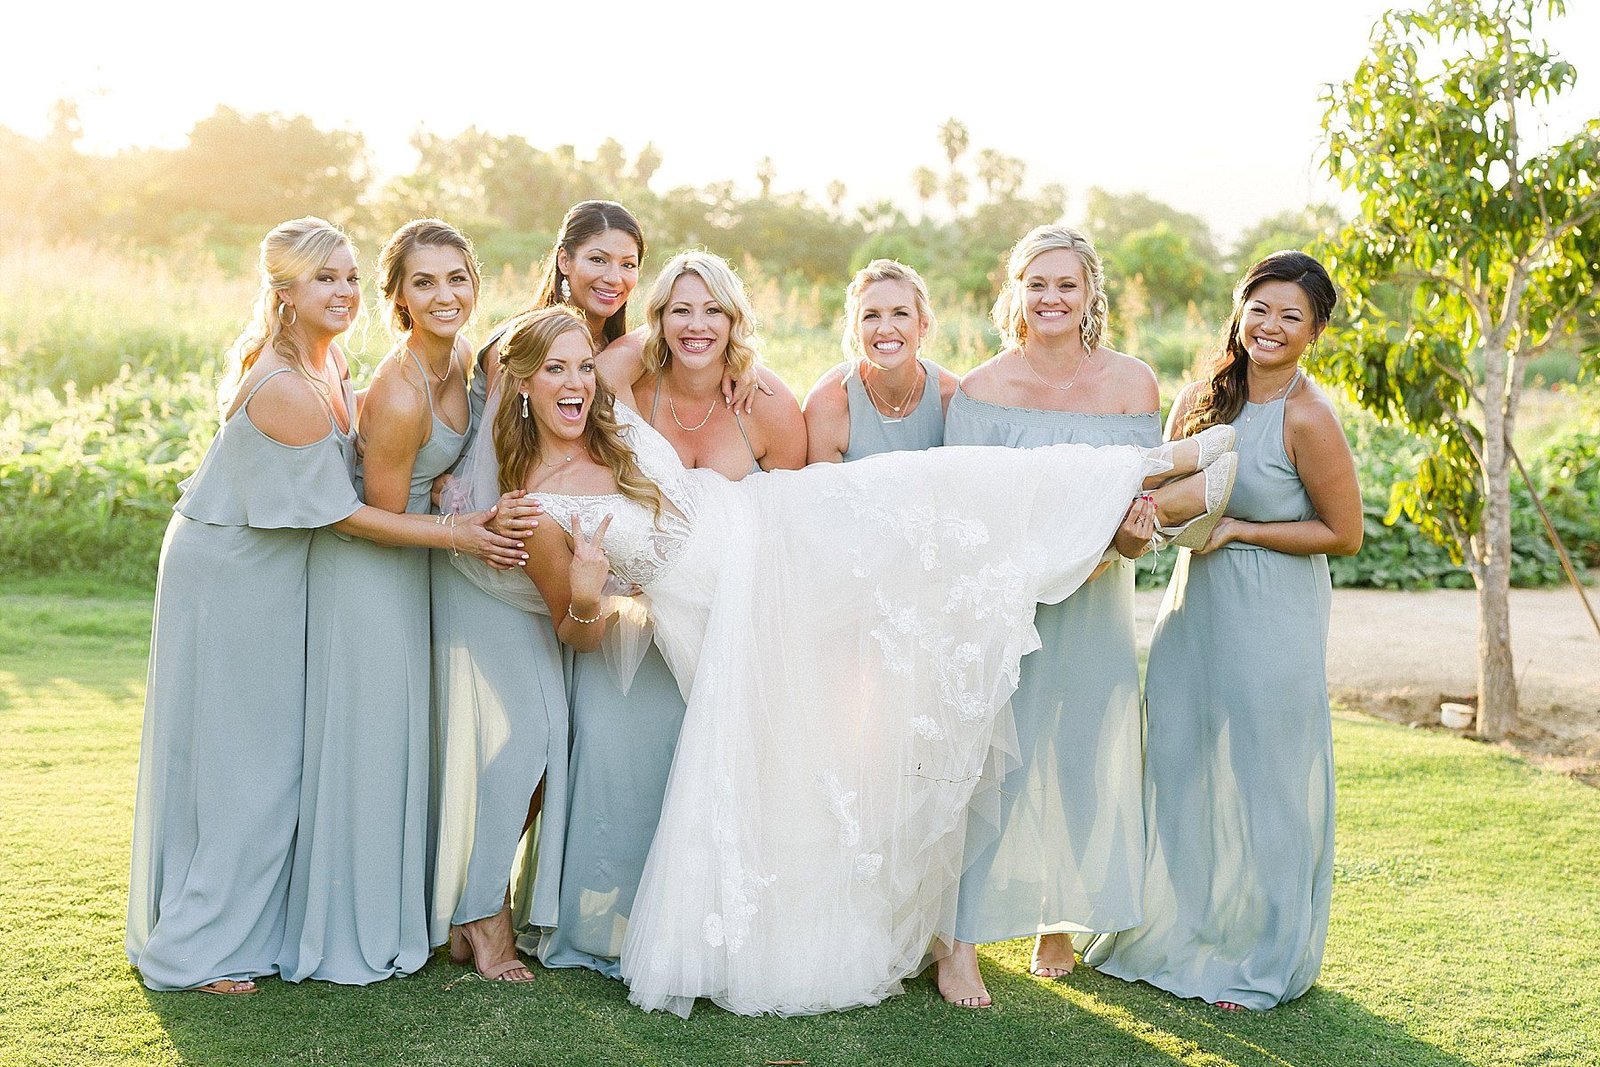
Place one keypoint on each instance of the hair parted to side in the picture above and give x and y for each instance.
(523, 350)
(583, 222)
(1225, 387)
(882, 270)
(726, 289)
(1009, 314)
(290, 251)
(418, 233)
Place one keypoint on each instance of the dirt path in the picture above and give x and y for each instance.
(1397, 654)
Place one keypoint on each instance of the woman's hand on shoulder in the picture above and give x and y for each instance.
(517, 514)
(743, 389)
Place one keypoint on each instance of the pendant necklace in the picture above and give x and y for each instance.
(877, 402)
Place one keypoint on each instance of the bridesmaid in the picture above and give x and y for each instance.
(499, 692)
(1061, 850)
(222, 747)
(1239, 772)
(699, 335)
(885, 397)
(357, 907)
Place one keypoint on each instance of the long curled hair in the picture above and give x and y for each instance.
(583, 222)
(418, 233)
(726, 289)
(1225, 387)
(290, 250)
(523, 350)
(1009, 314)
(883, 270)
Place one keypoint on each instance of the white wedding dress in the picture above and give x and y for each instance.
(847, 638)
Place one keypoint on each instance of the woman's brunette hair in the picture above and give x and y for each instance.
(523, 350)
(584, 222)
(1225, 387)
(418, 233)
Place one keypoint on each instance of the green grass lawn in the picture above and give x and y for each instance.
(1466, 925)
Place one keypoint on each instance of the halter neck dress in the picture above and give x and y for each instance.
(622, 749)
(1064, 853)
(1239, 771)
(871, 434)
(500, 729)
(357, 894)
(222, 745)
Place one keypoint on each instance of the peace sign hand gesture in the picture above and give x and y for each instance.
(587, 575)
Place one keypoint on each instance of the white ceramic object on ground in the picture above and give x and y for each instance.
(1457, 716)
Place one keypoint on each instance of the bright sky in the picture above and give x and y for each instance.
(1211, 106)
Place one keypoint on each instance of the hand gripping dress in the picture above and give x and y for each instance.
(845, 637)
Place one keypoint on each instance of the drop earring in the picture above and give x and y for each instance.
(524, 405)
(566, 291)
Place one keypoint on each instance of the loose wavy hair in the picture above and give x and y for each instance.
(290, 251)
(1009, 314)
(882, 270)
(726, 289)
(517, 447)
(583, 222)
(1225, 387)
(418, 233)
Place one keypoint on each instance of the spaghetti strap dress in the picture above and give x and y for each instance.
(357, 893)
(1064, 852)
(623, 741)
(222, 746)
(1239, 774)
(871, 434)
(499, 730)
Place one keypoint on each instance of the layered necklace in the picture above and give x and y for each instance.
(896, 410)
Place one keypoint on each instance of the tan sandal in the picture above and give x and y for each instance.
(229, 987)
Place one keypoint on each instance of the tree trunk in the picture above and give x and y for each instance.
(1497, 680)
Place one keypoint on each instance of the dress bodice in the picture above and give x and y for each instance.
(1268, 487)
(640, 544)
(871, 433)
(978, 422)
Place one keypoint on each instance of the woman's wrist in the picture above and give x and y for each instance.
(585, 614)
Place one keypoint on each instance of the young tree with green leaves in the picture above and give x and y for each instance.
(1475, 249)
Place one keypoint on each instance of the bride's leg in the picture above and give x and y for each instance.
(958, 978)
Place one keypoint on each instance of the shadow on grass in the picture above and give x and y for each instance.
(445, 1015)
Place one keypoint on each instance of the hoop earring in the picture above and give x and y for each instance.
(524, 405)
(294, 315)
(566, 291)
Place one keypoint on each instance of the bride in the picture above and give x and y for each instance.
(846, 638)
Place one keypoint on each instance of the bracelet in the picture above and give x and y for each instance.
(454, 554)
(585, 622)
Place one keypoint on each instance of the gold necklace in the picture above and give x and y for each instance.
(1250, 415)
(689, 429)
(564, 459)
(449, 367)
(878, 404)
(1046, 382)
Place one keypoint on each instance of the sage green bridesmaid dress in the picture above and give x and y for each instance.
(499, 730)
(1063, 849)
(1239, 772)
(357, 893)
(220, 757)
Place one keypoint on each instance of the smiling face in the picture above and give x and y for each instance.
(326, 300)
(888, 326)
(1276, 325)
(694, 324)
(602, 273)
(1055, 288)
(437, 290)
(561, 391)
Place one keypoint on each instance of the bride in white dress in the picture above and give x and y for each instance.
(846, 638)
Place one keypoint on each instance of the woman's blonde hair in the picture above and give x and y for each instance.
(523, 350)
(418, 233)
(1009, 309)
(290, 251)
(726, 289)
(882, 270)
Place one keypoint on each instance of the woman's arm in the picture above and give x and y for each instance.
(827, 418)
(570, 573)
(468, 533)
(1317, 447)
(782, 428)
(394, 425)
